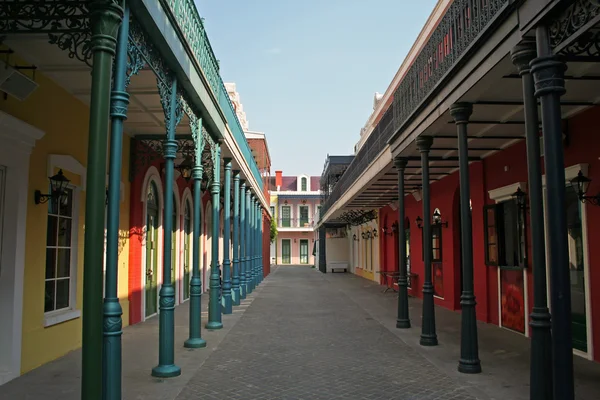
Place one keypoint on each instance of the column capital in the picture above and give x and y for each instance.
(227, 163)
(400, 162)
(549, 75)
(170, 149)
(197, 172)
(236, 174)
(461, 112)
(424, 143)
(522, 55)
(106, 18)
(243, 184)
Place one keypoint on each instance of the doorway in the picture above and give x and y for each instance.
(303, 251)
(152, 216)
(286, 251)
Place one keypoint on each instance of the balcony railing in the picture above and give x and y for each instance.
(295, 222)
(192, 28)
(465, 23)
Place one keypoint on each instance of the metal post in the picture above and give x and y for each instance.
(113, 323)
(226, 299)
(243, 241)
(252, 261)
(195, 336)
(261, 243)
(105, 18)
(166, 349)
(236, 238)
(469, 348)
(248, 242)
(428, 334)
(403, 320)
(548, 72)
(256, 243)
(214, 305)
(540, 375)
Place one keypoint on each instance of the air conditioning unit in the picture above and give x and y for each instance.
(15, 83)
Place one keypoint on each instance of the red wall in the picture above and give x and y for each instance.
(501, 169)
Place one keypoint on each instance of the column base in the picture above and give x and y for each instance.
(213, 326)
(195, 343)
(166, 371)
(469, 366)
(428, 340)
(403, 323)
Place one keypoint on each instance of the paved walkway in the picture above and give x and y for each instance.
(307, 335)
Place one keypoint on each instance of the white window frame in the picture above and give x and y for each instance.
(59, 316)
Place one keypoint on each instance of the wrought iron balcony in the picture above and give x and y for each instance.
(295, 222)
(191, 25)
(464, 25)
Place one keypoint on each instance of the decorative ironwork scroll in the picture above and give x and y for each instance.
(44, 16)
(144, 48)
(571, 33)
(358, 217)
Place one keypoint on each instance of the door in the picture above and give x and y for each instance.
(286, 251)
(187, 239)
(174, 244)
(303, 251)
(303, 216)
(285, 216)
(2, 180)
(576, 270)
(151, 250)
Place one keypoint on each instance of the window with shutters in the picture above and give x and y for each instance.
(505, 235)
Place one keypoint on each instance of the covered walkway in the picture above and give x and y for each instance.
(307, 335)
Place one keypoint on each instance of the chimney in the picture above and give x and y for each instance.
(278, 178)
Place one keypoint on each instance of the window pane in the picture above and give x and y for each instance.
(62, 293)
(66, 203)
(492, 239)
(52, 205)
(493, 253)
(50, 263)
(510, 235)
(49, 296)
(64, 232)
(64, 263)
(52, 231)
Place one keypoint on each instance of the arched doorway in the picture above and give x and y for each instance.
(152, 259)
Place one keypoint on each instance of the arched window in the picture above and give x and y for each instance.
(152, 215)
(303, 184)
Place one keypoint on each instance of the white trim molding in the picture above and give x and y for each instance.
(505, 193)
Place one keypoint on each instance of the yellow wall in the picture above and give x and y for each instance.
(64, 119)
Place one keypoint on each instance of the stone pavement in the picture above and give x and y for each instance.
(304, 338)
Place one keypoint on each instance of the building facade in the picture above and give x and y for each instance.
(473, 184)
(296, 206)
(179, 168)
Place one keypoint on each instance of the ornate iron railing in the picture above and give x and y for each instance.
(461, 28)
(192, 28)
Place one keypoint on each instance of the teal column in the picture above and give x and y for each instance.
(261, 243)
(243, 240)
(105, 18)
(214, 306)
(195, 336)
(166, 323)
(255, 269)
(113, 323)
(253, 245)
(226, 298)
(248, 262)
(236, 242)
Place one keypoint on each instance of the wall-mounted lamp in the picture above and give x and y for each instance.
(437, 218)
(419, 222)
(580, 184)
(185, 168)
(58, 184)
(386, 231)
(519, 197)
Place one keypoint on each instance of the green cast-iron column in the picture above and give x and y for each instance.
(248, 262)
(250, 271)
(254, 242)
(469, 346)
(428, 334)
(214, 306)
(195, 336)
(540, 368)
(105, 18)
(403, 320)
(226, 298)
(113, 323)
(548, 71)
(166, 319)
(243, 240)
(260, 244)
(236, 237)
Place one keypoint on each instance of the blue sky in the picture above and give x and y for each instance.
(307, 70)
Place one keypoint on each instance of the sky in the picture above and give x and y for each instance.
(307, 70)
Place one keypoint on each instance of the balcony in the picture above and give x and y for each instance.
(185, 14)
(464, 25)
(296, 223)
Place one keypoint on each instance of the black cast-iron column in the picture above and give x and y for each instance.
(540, 375)
(548, 72)
(469, 348)
(428, 335)
(403, 320)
